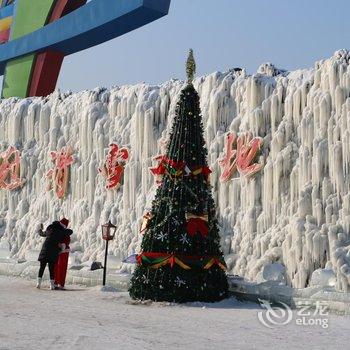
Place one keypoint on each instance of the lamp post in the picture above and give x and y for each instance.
(108, 233)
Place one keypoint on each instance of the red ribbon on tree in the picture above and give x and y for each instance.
(173, 168)
(200, 170)
(197, 223)
(156, 260)
(166, 164)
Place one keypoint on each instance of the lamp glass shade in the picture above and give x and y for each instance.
(108, 231)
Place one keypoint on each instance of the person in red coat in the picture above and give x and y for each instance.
(54, 236)
(62, 262)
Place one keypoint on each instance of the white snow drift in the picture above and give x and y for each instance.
(295, 212)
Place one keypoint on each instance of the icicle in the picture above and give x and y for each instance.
(299, 201)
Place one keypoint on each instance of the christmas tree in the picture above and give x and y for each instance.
(181, 259)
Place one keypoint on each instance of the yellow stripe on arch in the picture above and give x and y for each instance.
(5, 23)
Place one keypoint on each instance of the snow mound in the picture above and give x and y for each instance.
(295, 212)
(108, 289)
(272, 272)
(323, 277)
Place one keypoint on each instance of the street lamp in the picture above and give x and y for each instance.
(108, 234)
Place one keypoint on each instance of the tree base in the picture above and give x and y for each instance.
(174, 284)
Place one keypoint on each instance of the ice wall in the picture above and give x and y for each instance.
(296, 211)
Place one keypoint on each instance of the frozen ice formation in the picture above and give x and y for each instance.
(323, 277)
(295, 211)
(272, 272)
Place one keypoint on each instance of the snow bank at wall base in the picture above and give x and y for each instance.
(296, 211)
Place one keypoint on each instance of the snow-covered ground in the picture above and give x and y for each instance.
(83, 318)
(296, 211)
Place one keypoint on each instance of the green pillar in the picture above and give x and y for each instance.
(30, 16)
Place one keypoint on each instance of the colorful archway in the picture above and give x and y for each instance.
(37, 35)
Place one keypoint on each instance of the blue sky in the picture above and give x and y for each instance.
(224, 34)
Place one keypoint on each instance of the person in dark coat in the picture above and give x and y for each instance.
(55, 235)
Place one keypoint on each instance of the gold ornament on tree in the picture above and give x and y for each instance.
(190, 67)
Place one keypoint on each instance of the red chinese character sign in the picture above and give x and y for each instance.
(59, 175)
(228, 162)
(113, 168)
(241, 153)
(247, 151)
(10, 166)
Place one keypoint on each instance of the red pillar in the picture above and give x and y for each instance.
(45, 73)
(63, 7)
(48, 64)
